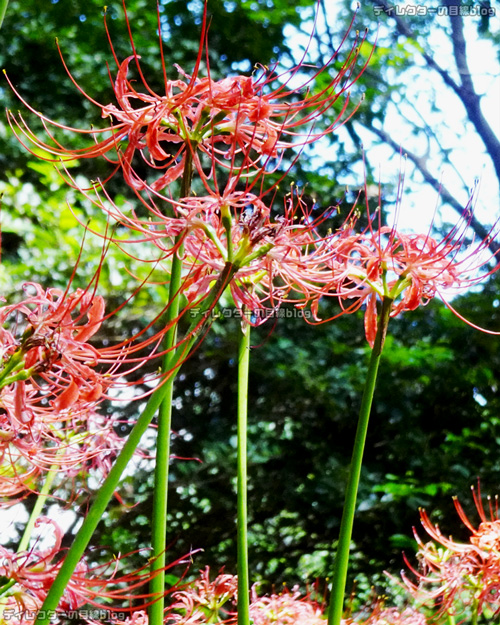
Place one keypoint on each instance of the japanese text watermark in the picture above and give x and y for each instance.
(419, 10)
(260, 313)
(96, 614)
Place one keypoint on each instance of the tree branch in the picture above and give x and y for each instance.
(481, 231)
(470, 99)
(465, 90)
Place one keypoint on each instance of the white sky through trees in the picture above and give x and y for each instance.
(433, 107)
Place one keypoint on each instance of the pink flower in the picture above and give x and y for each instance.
(394, 616)
(460, 575)
(204, 601)
(407, 269)
(285, 608)
(50, 388)
(34, 571)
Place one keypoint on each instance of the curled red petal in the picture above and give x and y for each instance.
(68, 397)
(371, 319)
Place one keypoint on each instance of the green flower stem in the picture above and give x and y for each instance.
(475, 612)
(342, 558)
(6, 587)
(110, 484)
(15, 362)
(3, 9)
(451, 619)
(242, 564)
(38, 507)
(160, 493)
(24, 374)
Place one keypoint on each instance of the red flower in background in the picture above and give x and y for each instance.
(391, 616)
(204, 601)
(56, 328)
(285, 608)
(207, 601)
(50, 388)
(34, 571)
(460, 576)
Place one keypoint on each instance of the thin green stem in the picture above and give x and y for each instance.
(6, 587)
(110, 484)
(451, 619)
(3, 9)
(242, 564)
(38, 507)
(160, 493)
(342, 558)
(15, 363)
(475, 612)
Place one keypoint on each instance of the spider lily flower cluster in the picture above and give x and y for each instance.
(408, 270)
(51, 388)
(206, 601)
(28, 575)
(273, 258)
(462, 578)
(255, 117)
(237, 125)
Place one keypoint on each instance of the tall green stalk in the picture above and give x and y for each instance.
(242, 564)
(3, 9)
(342, 558)
(160, 493)
(110, 484)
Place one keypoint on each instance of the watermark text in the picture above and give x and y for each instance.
(259, 313)
(98, 614)
(419, 10)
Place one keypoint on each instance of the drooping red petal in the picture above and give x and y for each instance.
(371, 319)
(68, 397)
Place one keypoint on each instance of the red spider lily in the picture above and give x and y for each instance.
(204, 601)
(460, 575)
(50, 388)
(409, 269)
(34, 571)
(252, 116)
(85, 443)
(275, 259)
(391, 616)
(56, 327)
(285, 608)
